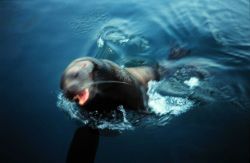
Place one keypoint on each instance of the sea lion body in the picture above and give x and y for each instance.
(99, 84)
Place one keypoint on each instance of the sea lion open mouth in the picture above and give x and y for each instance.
(82, 97)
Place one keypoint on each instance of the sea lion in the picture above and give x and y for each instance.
(100, 84)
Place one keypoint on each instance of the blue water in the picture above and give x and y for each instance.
(38, 39)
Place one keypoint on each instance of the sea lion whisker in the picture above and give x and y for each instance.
(107, 82)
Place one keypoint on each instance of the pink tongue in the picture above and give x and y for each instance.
(82, 97)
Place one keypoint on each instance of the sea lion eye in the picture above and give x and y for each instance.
(76, 74)
(83, 65)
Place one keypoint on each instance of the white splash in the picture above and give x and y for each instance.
(73, 111)
(100, 42)
(162, 105)
(70, 108)
(192, 82)
(124, 125)
(123, 41)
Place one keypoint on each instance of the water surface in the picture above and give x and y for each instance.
(39, 38)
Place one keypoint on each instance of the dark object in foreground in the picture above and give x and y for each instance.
(83, 146)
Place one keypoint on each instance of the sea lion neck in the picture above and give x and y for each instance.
(142, 74)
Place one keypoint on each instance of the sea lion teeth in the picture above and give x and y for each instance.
(82, 97)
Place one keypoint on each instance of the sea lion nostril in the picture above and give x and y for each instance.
(84, 65)
(76, 75)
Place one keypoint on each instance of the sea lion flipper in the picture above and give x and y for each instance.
(178, 52)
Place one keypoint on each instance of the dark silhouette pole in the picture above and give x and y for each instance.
(83, 146)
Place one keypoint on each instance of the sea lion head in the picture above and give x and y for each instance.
(76, 81)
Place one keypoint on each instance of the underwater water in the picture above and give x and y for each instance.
(200, 111)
